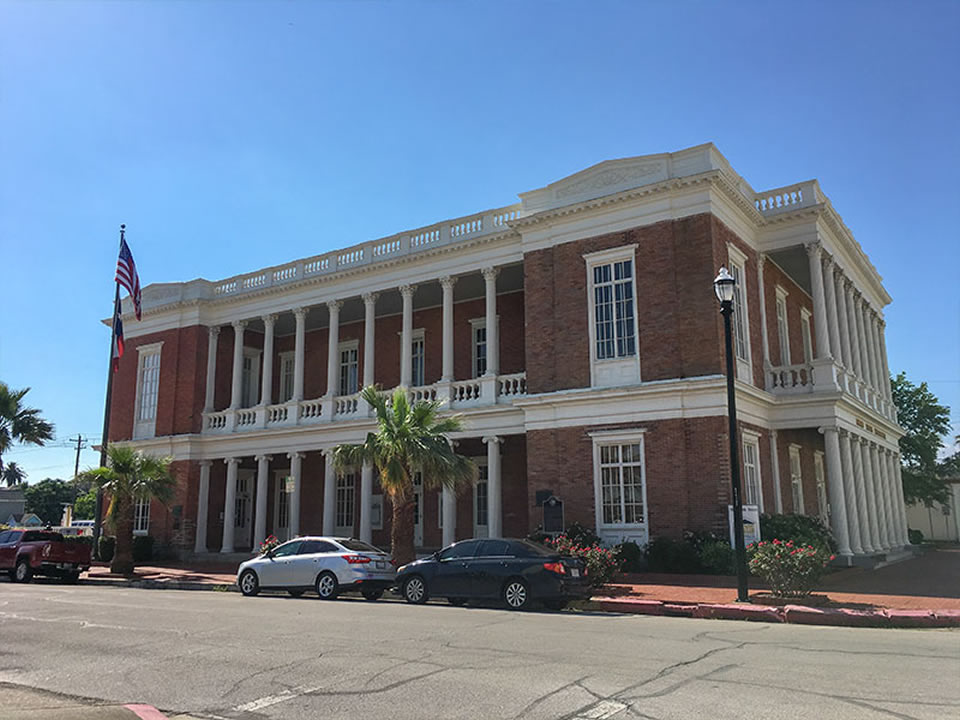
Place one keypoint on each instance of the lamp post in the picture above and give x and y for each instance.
(723, 285)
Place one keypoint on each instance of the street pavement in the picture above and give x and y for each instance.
(220, 655)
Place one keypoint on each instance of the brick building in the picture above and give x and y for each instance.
(578, 333)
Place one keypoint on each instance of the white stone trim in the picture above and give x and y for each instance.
(146, 428)
(738, 261)
(618, 532)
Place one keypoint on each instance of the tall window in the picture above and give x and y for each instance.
(479, 347)
(149, 383)
(480, 496)
(740, 328)
(807, 336)
(751, 472)
(141, 517)
(796, 479)
(286, 376)
(248, 385)
(348, 368)
(621, 483)
(416, 375)
(613, 310)
(346, 487)
(783, 333)
(823, 505)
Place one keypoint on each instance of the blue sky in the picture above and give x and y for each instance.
(230, 136)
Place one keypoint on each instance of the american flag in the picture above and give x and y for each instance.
(117, 338)
(127, 276)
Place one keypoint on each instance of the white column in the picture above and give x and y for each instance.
(369, 338)
(260, 513)
(203, 500)
(406, 336)
(493, 334)
(894, 460)
(329, 493)
(819, 301)
(237, 379)
(863, 507)
(851, 305)
(333, 347)
(494, 500)
(838, 503)
(296, 460)
(891, 494)
(366, 502)
(300, 314)
(842, 317)
(833, 320)
(449, 500)
(883, 499)
(761, 260)
(878, 359)
(230, 505)
(850, 494)
(870, 485)
(887, 390)
(266, 382)
(213, 333)
(864, 346)
(447, 284)
(775, 473)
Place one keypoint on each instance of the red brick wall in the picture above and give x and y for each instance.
(809, 441)
(797, 298)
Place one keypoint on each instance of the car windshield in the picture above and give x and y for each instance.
(358, 545)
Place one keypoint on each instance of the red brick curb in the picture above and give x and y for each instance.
(797, 614)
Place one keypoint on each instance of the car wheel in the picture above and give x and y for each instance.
(555, 603)
(327, 586)
(295, 593)
(249, 584)
(22, 572)
(372, 595)
(457, 602)
(415, 590)
(515, 594)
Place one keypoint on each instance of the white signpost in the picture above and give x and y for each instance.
(751, 525)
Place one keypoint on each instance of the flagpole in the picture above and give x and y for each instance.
(98, 511)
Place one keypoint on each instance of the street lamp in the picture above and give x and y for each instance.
(723, 286)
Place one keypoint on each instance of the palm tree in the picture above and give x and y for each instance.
(130, 475)
(13, 474)
(408, 439)
(19, 423)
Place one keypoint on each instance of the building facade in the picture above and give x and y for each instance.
(578, 333)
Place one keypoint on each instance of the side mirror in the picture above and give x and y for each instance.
(436, 555)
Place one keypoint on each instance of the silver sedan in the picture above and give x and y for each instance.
(327, 565)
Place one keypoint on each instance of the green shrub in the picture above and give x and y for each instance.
(581, 535)
(142, 548)
(108, 544)
(790, 569)
(801, 529)
(630, 557)
(665, 555)
(717, 558)
(915, 536)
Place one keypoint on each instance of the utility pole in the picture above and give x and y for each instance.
(79, 440)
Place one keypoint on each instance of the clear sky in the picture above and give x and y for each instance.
(235, 135)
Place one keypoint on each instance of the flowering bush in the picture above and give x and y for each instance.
(601, 562)
(269, 544)
(791, 570)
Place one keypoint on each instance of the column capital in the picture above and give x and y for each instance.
(213, 330)
(231, 460)
(824, 429)
(300, 312)
(269, 319)
(828, 261)
(848, 284)
(295, 456)
(490, 273)
(407, 291)
(239, 325)
(206, 463)
(487, 439)
(813, 248)
(761, 259)
(840, 273)
(260, 458)
(334, 305)
(447, 282)
(370, 298)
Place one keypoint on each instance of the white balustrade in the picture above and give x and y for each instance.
(790, 197)
(427, 393)
(465, 391)
(387, 247)
(791, 379)
(425, 237)
(311, 409)
(350, 257)
(215, 421)
(509, 385)
(312, 267)
(285, 273)
(466, 227)
(346, 405)
(246, 418)
(277, 414)
(502, 217)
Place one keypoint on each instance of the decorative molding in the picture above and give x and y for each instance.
(607, 178)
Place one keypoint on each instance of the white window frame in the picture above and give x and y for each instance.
(823, 501)
(376, 512)
(286, 385)
(783, 326)
(796, 480)
(141, 517)
(415, 336)
(751, 439)
(475, 325)
(616, 371)
(280, 490)
(806, 330)
(253, 355)
(347, 346)
(345, 493)
(147, 427)
(481, 464)
(617, 532)
(741, 313)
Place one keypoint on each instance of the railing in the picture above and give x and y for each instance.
(790, 197)
(510, 385)
(216, 420)
(465, 391)
(246, 418)
(791, 379)
(277, 414)
(311, 409)
(427, 393)
(347, 404)
(404, 243)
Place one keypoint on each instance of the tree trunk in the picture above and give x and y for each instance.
(401, 530)
(122, 563)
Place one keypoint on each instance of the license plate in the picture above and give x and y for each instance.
(381, 565)
(574, 572)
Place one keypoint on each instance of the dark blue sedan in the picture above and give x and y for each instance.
(516, 571)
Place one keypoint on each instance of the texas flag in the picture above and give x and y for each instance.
(117, 337)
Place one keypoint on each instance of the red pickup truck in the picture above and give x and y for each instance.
(25, 553)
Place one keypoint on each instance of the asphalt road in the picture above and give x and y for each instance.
(222, 655)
